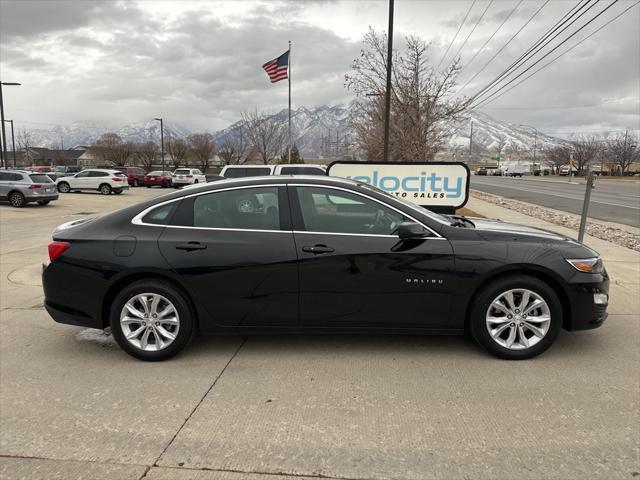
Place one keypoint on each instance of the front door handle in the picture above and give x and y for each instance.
(189, 246)
(317, 249)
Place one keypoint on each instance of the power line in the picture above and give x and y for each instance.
(566, 51)
(562, 107)
(471, 32)
(493, 34)
(487, 99)
(456, 35)
(505, 45)
(538, 45)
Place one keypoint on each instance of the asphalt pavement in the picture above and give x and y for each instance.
(611, 200)
(73, 405)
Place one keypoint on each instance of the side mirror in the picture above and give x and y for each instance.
(408, 230)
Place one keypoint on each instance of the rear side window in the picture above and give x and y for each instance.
(160, 215)
(40, 178)
(242, 209)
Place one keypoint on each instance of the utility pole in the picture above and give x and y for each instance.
(470, 142)
(289, 77)
(162, 141)
(4, 136)
(13, 144)
(387, 113)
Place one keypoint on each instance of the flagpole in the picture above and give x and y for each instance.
(289, 76)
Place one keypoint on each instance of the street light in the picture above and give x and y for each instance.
(3, 161)
(13, 143)
(161, 141)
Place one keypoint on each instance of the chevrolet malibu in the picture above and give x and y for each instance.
(316, 255)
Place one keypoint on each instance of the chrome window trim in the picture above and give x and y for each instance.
(137, 220)
(436, 235)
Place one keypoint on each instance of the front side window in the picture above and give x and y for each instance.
(244, 209)
(335, 211)
(83, 174)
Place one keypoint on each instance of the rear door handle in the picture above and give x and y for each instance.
(189, 246)
(317, 249)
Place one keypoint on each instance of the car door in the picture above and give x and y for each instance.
(234, 250)
(97, 178)
(79, 181)
(356, 272)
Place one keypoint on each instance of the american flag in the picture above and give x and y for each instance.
(277, 68)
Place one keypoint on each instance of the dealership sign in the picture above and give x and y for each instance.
(437, 184)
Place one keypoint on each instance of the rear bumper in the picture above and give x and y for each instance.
(42, 198)
(70, 317)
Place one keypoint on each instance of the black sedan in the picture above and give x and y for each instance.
(316, 254)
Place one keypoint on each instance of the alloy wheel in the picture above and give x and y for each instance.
(518, 319)
(64, 187)
(149, 322)
(16, 199)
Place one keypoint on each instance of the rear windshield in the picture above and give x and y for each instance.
(302, 171)
(40, 178)
(183, 171)
(155, 174)
(246, 172)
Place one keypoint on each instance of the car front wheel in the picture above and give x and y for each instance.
(63, 187)
(151, 320)
(516, 317)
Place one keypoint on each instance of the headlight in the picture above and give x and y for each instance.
(587, 265)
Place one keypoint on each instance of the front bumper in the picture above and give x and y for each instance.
(588, 303)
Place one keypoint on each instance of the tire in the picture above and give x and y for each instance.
(16, 199)
(43, 202)
(196, 181)
(63, 187)
(514, 327)
(148, 186)
(135, 183)
(105, 189)
(117, 191)
(185, 326)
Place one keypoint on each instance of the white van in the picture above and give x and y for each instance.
(237, 171)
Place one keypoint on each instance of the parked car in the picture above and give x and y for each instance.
(301, 254)
(135, 175)
(103, 180)
(41, 169)
(481, 171)
(238, 171)
(158, 178)
(187, 176)
(565, 169)
(64, 171)
(20, 187)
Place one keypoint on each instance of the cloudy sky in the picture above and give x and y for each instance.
(198, 63)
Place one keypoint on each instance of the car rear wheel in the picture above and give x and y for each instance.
(43, 202)
(151, 320)
(16, 199)
(516, 317)
(105, 189)
(63, 187)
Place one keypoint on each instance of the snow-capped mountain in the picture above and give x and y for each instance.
(319, 132)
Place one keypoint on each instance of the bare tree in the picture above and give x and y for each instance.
(146, 154)
(585, 151)
(111, 149)
(25, 143)
(265, 134)
(623, 150)
(201, 146)
(177, 149)
(558, 156)
(422, 106)
(233, 149)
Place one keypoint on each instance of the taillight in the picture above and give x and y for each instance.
(57, 248)
(35, 186)
(189, 176)
(116, 179)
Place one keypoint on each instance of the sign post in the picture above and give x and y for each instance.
(440, 186)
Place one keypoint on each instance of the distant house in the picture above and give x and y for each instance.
(45, 156)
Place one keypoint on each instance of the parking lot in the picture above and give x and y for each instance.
(73, 405)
